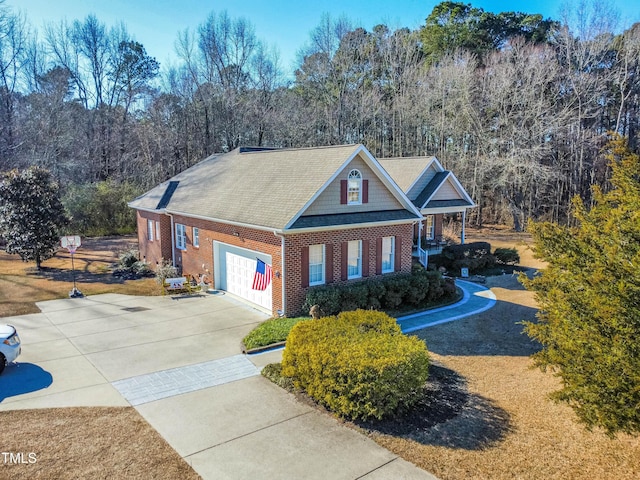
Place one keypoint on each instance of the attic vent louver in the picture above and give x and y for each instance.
(168, 193)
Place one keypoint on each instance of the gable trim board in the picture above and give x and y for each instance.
(437, 183)
(377, 170)
(433, 162)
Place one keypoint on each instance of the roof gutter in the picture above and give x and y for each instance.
(351, 225)
(219, 220)
(285, 231)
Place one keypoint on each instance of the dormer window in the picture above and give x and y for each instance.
(354, 188)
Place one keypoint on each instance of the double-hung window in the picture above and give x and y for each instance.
(354, 259)
(150, 230)
(316, 265)
(157, 230)
(429, 227)
(388, 254)
(181, 236)
(196, 237)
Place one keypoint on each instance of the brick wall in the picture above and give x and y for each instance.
(199, 260)
(153, 250)
(296, 292)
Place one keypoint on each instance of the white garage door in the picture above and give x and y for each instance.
(240, 271)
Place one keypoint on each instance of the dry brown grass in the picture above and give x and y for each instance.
(21, 286)
(88, 443)
(508, 429)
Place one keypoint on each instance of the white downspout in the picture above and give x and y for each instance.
(282, 272)
(173, 248)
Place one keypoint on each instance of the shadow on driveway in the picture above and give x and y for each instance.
(21, 378)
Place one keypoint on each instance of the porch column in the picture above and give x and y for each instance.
(464, 218)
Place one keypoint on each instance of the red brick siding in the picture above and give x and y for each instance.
(437, 221)
(153, 251)
(295, 243)
(199, 260)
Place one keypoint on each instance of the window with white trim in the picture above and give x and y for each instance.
(196, 237)
(388, 254)
(181, 236)
(354, 259)
(157, 230)
(354, 187)
(150, 230)
(316, 265)
(429, 227)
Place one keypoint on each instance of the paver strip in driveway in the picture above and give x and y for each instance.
(176, 381)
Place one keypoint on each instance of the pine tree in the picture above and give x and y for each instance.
(589, 298)
(31, 214)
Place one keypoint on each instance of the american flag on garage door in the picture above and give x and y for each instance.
(262, 277)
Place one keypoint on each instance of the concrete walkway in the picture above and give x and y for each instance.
(476, 299)
(177, 362)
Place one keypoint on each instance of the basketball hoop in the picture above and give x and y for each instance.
(71, 243)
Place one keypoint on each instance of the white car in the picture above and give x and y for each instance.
(9, 345)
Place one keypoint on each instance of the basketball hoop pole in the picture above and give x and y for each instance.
(71, 243)
(73, 273)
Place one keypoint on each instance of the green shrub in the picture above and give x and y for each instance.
(273, 330)
(420, 288)
(396, 288)
(357, 364)
(127, 258)
(475, 256)
(507, 256)
(353, 296)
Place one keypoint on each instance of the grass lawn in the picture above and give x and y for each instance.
(21, 285)
(269, 332)
(71, 443)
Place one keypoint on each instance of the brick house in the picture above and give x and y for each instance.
(313, 215)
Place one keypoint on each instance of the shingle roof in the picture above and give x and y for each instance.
(311, 221)
(405, 170)
(431, 187)
(265, 188)
(448, 203)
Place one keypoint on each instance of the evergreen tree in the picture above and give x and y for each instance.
(589, 297)
(31, 214)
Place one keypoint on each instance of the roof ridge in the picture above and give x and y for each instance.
(290, 149)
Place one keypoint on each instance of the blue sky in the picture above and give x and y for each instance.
(282, 24)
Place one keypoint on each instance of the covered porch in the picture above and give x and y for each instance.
(429, 238)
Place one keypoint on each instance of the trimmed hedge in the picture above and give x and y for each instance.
(358, 364)
(419, 288)
(475, 256)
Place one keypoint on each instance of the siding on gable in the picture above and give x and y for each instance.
(421, 183)
(380, 198)
(446, 192)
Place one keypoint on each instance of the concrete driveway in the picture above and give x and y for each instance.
(178, 362)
